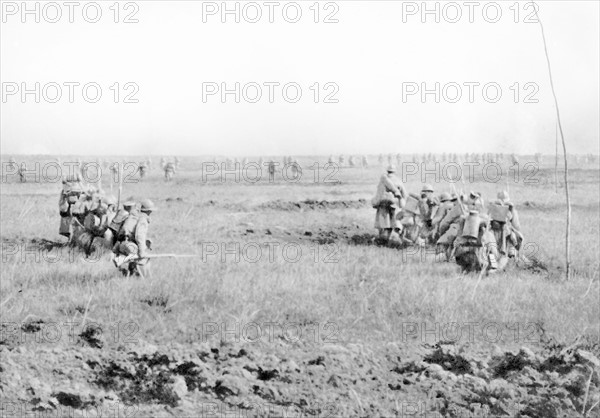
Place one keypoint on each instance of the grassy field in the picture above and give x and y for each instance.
(307, 272)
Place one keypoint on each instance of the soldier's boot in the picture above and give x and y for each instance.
(132, 270)
(512, 251)
(395, 236)
(384, 235)
(388, 233)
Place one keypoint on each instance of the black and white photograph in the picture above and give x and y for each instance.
(308, 209)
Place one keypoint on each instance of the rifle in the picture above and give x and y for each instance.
(119, 174)
(459, 200)
(171, 255)
(135, 257)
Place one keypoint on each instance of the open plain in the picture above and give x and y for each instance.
(291, 309)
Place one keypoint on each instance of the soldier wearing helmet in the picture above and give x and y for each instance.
(109, 210)
(512, 237)
(132, 242)
(474, 201)
(449, 226)
(117, 221)
(389, 200)
(141, 228)
(446, 204)
(427, 206)
(68, 206)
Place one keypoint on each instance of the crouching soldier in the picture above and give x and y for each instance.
(475, 247)
(474, 201)
(133, 246)
(505, 225)
(69, 199)
(427, 207)
(411, 222)
(79, 211)
(117, 220)
(449, 227)
(446, 205)
(96, 225)
(111, 212)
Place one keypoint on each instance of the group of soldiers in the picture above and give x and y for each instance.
(169, 166)
(91, 220)
(449, 158)
(482, 158)
(352, 161)
(475, 235)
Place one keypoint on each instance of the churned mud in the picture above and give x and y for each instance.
(302, 379)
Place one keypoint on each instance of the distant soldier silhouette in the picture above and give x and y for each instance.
(22, 172)
(271, 169)
(295, 168)
(169, 169)
(143, 169)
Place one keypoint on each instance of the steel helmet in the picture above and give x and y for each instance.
(503, 195)
(444, 197)
(147, 205)
(427, 188)
(129, 202)
(110, 200)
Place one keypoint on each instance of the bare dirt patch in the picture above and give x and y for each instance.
(453, 381)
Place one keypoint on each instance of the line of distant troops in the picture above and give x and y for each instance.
(170, 166)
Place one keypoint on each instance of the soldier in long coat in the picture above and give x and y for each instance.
(389, 199)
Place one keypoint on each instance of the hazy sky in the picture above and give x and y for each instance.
(376, 50)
